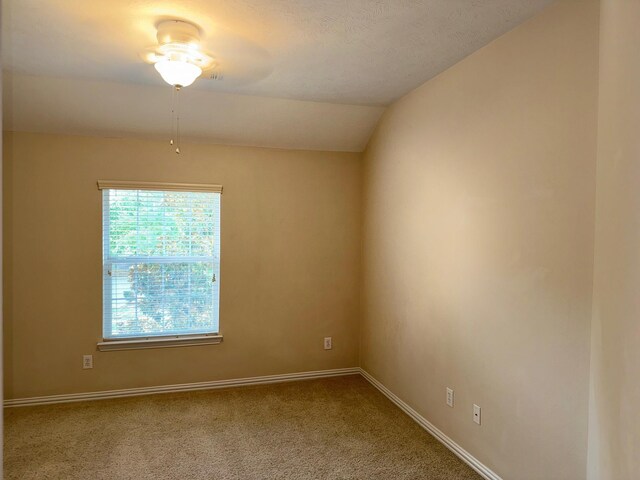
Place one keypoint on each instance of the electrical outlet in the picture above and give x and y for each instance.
(476, 414)
(328, 344)
(87, 361)
(450, 397)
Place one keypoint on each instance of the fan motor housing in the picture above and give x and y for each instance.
(178, 31)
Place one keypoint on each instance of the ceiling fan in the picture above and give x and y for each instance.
(180, 60)
(178, 57)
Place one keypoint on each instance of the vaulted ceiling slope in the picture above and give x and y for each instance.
(291, 73)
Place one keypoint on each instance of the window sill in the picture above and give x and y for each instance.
(160, 342)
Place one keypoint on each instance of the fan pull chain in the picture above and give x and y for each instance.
(173, 109)
(177, 119)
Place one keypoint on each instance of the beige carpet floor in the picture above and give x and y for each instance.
(336, 428)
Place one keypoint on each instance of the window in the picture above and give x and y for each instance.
(161, 264)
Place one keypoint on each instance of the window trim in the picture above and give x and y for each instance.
(159, 186)
(156, 341)
(139, 343)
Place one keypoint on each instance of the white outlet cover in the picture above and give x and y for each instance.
(450, 397)
(476, 414)
(87, 361)
(328, 343)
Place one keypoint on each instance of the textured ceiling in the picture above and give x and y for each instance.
(341, 51)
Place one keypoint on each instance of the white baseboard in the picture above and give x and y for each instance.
(484, 471)
(182, 387)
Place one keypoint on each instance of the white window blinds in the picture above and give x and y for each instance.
(161, 260)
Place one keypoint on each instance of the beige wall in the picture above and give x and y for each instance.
(479, 192)
(289, 276)
(614, 435)
(479, 220)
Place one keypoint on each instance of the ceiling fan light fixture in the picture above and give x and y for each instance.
(178, 73)
(178, 57)
(179, 61)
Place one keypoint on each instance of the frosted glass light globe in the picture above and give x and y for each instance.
(178, 72)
